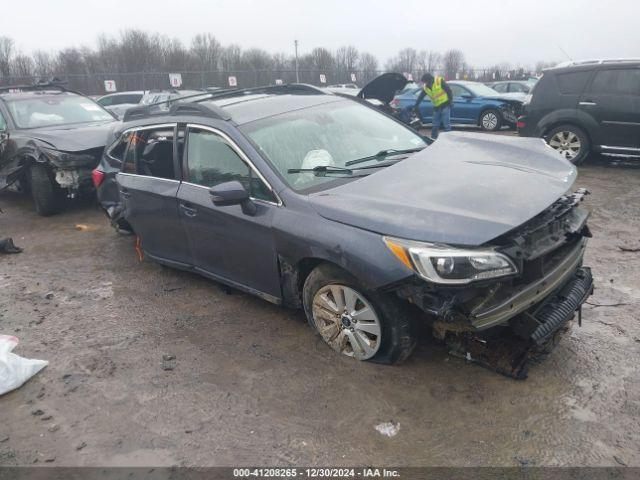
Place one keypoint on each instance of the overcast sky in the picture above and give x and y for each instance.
(488, 32)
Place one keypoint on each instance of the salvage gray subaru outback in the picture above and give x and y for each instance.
(314, 200)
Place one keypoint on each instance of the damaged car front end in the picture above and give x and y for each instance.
(52, 140)
(527, 287)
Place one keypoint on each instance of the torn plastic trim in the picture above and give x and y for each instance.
(530, 294)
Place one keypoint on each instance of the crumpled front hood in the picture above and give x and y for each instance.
(465, 189)
(74, 138)
(508, 97)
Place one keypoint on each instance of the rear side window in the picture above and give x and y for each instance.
(117, 150)
(3, 123)
(616, 82)
(572, 83)
(150, 153)
(500, 87)
(212, 161)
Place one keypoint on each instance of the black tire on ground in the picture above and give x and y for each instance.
(490, 120)
(585, 144)
(398, 336)
(47, 195)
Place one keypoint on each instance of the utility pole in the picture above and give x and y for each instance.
(295, 43)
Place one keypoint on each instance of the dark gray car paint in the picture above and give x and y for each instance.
(465, 189)
(343, 225)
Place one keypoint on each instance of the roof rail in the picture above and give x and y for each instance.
(191, 103)
(53, 84)
(595, 61)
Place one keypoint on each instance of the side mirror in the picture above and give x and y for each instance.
(232, 193)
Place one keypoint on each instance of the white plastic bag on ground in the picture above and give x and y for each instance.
(15, 370)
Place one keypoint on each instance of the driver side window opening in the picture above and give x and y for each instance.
(212, 161)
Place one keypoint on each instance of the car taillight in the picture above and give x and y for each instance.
(97, 176)
(521, 124)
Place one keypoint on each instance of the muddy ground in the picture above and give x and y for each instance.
(252, 384)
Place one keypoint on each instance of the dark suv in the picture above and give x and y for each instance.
(50, 141)
(586, 106)
(315, 200)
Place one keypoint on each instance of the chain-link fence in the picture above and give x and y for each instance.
(94, 83)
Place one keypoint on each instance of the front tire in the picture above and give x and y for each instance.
(355, 322)
(47, 195)
(569, 141)
(490, 120)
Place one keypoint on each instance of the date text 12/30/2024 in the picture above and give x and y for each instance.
(315, 473)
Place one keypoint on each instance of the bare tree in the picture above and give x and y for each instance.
(230, 59)
(452, 63)
(206, 50)
(43, 65)
(6, 54)
(407, 60)
(368, 65)
(22, 66)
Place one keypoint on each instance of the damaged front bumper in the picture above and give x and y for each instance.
(531, 294)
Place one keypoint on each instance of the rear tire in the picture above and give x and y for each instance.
(565, 138)
(47, 195)
(490, 120)
(384, 333)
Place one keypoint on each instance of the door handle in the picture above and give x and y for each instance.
(188, 210)
(588, 103)
(125, 192)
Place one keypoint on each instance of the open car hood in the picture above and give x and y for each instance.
(465, 189)
(383, 87)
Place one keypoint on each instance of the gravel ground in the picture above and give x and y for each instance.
(249, 383)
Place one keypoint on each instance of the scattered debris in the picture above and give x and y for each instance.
(46, 418)
(388, 429)
(7, 246)
(596, 305)
(49, 296)
(4, 438)
(37, 413)
(81, 446)
(15, 370)
(525, 462)
(168, 362)
(629, 249)
(81, 227)
(50, 459)
(54, 428)
(172, 289)
(619, 460)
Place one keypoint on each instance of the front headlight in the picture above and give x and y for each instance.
(443, 264)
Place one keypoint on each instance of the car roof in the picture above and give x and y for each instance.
(248, 108)
(576, 65)
(239, 105)
(10, 95)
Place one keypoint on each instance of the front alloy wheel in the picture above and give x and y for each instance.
(347, 321)
(490, 120)
(566, 144)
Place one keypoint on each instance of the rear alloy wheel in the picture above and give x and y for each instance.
(490, 120)
(570, 142)
(355, 322)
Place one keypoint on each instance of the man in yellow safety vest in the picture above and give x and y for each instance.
(442, 100)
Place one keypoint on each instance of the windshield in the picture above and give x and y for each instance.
(480, 89)
(327, 135)
(58, 109)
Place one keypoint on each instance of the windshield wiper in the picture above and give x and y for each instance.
(382, 154)
(322, 170)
